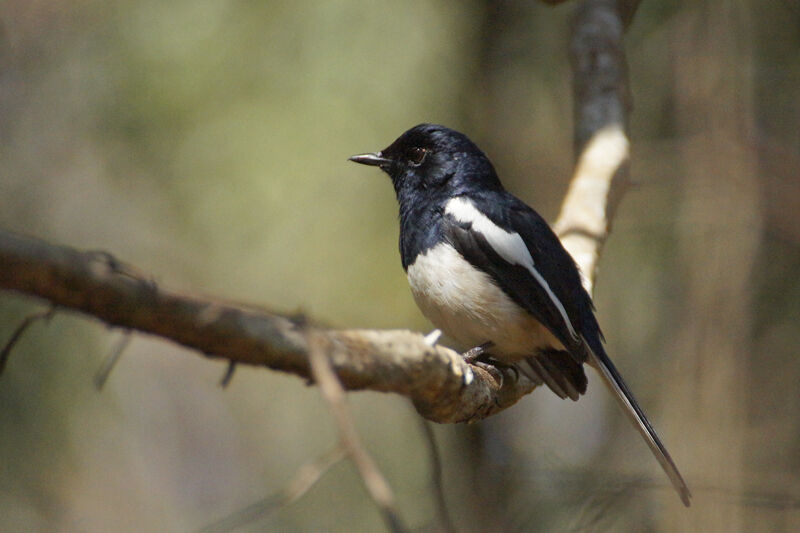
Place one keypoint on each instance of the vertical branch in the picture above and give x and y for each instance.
(602, 105)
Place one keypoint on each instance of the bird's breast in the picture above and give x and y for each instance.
(467, 305)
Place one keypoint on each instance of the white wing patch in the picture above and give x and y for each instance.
(509, 246)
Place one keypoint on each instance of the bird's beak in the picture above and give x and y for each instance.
(374, 159)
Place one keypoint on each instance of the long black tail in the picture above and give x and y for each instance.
(624, 396)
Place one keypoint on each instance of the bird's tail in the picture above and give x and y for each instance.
(624, 396)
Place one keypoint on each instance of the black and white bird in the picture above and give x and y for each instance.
(489, 272)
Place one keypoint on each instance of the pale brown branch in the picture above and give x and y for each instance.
(308, 475)
(374, 481)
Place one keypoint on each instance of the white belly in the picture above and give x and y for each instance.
(466, 305)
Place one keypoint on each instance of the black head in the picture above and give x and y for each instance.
(430, 159)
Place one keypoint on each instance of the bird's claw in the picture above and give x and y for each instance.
(492, 370)
(474, 354)
(477, 357)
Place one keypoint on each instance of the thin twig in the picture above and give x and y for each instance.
(445, 521)
(306, 477)
(17, 335)
(228, 376)
(333, 392)
(110, 361)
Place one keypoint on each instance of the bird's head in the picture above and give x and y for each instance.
(430, 158)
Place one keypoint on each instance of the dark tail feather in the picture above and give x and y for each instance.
(542, 374)
(558, 370)
(614, 381)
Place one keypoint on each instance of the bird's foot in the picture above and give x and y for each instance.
(479, 356)
(492, 370)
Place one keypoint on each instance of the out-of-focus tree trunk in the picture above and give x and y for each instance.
(705, 380)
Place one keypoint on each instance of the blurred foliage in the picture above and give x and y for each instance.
(206, 141)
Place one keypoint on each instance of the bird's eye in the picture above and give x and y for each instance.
(417, 155)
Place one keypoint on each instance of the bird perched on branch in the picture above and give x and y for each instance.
(488, 271)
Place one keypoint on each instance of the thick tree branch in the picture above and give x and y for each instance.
(441, 385)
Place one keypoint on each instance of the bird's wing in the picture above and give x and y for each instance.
(513, 245)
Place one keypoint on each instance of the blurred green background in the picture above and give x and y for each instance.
(206, 141)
